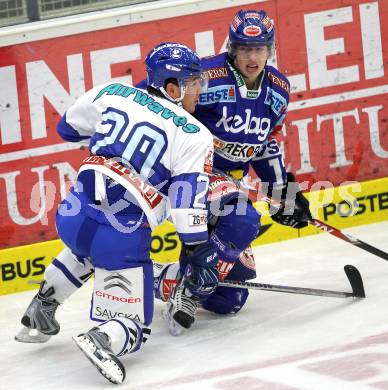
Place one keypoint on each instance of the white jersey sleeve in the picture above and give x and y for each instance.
(189, 185)
(79, 121)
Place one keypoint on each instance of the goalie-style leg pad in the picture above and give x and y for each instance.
(124, 293)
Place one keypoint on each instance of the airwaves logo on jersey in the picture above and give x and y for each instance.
(144, 99)
(221, 93)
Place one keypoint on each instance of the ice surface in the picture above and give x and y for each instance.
(277, 342)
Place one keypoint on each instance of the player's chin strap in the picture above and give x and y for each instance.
(177, 101)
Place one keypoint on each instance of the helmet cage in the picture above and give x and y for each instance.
(232, 48)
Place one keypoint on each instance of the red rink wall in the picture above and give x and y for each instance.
(334, 52)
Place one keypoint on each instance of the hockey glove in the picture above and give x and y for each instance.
(294, 210)
(200, 273)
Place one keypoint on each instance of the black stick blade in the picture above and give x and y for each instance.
(355, 281)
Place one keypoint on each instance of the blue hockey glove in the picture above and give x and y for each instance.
(292, 212)
(200, 273)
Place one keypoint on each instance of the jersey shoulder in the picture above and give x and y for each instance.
(212, 61)
(217, 69)
(277, 81)
(142, 84)
(188, 127)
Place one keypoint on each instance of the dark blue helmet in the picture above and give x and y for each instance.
(251, 28)
(171, 60)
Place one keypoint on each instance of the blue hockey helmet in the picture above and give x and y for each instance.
(251, 28)
(170, 60)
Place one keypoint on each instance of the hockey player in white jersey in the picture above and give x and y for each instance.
(150, 159)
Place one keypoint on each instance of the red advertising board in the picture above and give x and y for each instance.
(334, 52)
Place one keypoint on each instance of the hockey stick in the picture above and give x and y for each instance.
(348, 238)
(256, 196)
(352, 273)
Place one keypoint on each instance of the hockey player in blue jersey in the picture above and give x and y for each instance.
(150, 159)
(244, 106)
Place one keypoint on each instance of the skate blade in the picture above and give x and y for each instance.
(173, 327)
(108, 365)
(28, 335)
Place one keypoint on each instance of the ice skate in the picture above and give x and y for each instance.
(180, 310)
(95, 344)
(39, 319)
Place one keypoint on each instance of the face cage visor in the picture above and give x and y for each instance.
(245, 51)
(194, 84)
(190, 85)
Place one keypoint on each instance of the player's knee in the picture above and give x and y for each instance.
(226, 300)
(230, 241)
